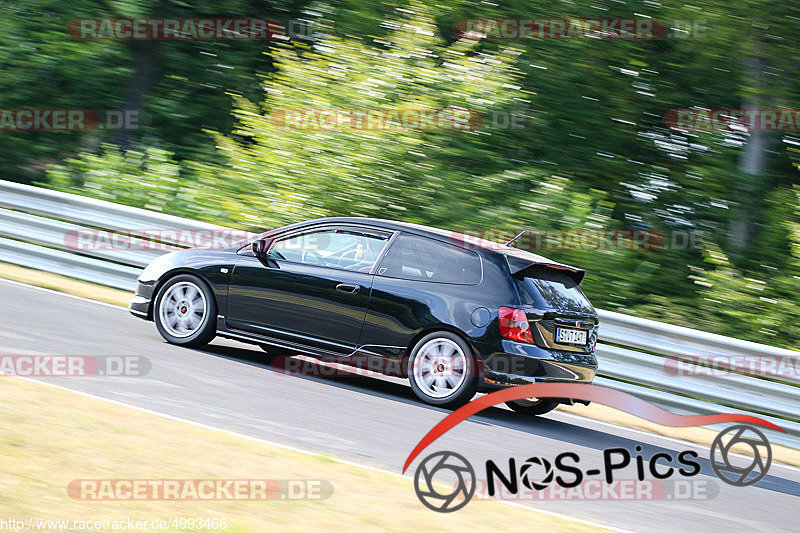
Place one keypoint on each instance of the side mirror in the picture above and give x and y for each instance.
(261, 247)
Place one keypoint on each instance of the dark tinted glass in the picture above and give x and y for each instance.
(419, 258)
(548, 288)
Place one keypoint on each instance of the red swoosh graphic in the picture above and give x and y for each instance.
(579, 391)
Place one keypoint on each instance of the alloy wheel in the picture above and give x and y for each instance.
(440, 368)
(182, 309)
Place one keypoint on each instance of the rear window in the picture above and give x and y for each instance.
(419, 258)
(549, 288)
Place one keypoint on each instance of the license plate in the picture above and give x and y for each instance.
(570, 336)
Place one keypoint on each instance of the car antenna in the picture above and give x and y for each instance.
(509, 243)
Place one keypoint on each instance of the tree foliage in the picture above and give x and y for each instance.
(590, 149)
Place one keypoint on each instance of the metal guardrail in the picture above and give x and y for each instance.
(636, 355)
(91, 212)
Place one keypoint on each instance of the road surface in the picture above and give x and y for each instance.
(369, 421)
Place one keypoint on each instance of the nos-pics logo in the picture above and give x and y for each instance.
(445, 481)
(733, 447)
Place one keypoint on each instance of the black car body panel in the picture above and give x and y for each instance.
(213, 266)
(299, 303)
(380, 310)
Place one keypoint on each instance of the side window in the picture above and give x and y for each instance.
(349, 249)
(418, 258)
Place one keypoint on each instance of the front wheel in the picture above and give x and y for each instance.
(442, 370)
(185, 311)
(533, 406)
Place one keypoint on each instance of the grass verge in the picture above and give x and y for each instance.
(59, 283)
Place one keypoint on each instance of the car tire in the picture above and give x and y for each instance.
(539, 406)
(268, 355)
(442, 370)
(185, 311)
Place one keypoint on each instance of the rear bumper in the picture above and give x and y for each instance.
(516, 363)
(141, 304)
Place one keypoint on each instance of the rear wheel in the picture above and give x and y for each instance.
(269, 354)
(185, 311)
(533, 406)
(442, 370)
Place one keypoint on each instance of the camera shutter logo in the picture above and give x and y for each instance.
(449, 464)
(738, 475)
(525, 472)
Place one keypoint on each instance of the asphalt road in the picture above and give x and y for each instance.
(370, 421)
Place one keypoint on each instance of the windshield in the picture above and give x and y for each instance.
(548, 288)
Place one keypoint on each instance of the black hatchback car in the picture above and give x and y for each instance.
(456, 314)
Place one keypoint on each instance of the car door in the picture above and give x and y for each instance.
(313, 290)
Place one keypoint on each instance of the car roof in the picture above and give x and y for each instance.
(420, 229)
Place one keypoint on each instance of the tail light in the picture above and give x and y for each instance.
(514, 325)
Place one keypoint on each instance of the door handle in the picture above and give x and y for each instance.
(346, 287)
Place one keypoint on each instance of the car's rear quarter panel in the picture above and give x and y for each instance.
(402, 310)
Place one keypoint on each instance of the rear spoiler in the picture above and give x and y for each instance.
(519, 265)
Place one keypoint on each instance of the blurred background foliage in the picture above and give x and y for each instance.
(592, 151)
